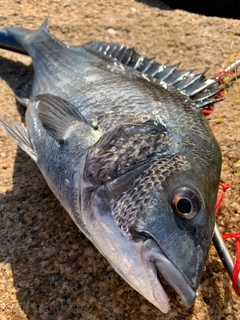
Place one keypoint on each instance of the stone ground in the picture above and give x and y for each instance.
(48, 269)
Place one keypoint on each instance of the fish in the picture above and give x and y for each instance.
(122, 142)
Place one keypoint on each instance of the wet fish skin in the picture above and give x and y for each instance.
(133, 161)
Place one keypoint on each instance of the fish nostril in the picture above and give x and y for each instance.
(198, 232)
(195, 229)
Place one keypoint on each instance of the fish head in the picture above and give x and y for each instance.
(151, 211)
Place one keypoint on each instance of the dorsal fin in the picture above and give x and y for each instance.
(192, 85)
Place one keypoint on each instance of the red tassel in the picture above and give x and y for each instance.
(224, 186)
(208, 111)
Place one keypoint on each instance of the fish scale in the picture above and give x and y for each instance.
(130, 157)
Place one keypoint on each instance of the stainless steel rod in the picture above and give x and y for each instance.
(224, 253)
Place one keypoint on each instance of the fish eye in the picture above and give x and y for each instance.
(185, 203)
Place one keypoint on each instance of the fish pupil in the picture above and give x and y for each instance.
(184, 206)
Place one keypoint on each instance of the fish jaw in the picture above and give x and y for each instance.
(156, 261)
(126, 257)
(137, 262)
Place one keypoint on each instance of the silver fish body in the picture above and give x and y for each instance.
(132, 159)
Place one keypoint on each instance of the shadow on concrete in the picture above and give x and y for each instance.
(216, 8)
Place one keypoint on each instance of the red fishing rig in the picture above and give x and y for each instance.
(226, 76)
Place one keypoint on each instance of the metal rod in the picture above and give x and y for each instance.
(223, 253)
(9, 43)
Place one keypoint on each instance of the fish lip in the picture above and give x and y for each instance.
(156, 260)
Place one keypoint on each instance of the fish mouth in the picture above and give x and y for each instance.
(155, 261)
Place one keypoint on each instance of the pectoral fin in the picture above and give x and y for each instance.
(63, 121)
(57, 115)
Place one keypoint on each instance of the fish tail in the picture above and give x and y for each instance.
(26, 36)
(43, 49)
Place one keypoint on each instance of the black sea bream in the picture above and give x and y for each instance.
(123, 144)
